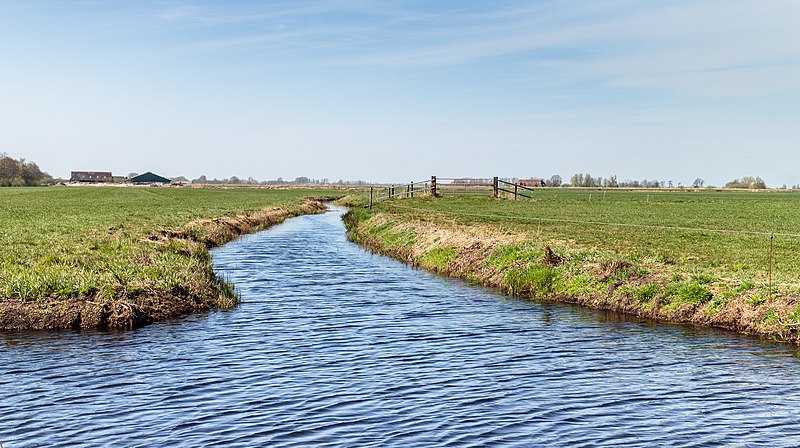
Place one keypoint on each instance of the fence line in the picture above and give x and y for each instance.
(461, 185)
(498, 186)
(408, 190)
(498, 183)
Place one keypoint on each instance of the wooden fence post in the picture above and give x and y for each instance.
(515, 191)
(412, 189)
(370, 198)
(495, 186)
(771, 237)
(408, 191)
(433, 186)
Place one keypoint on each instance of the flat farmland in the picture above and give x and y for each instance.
(723, 258)
(727, 232)
(124, 250)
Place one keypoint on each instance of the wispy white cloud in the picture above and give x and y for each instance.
(733, 47)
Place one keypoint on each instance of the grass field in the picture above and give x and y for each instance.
(649, 225)
(120, 246)
(669, 254)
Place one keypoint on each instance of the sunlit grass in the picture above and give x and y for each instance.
(646, 226)
(730, 259)
(114, 243)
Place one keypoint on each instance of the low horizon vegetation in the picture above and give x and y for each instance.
(588, 181)
(21, 173)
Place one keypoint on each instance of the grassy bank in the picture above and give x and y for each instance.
(692, 257)
(91, 257)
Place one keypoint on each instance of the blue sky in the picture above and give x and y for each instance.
(403, 90)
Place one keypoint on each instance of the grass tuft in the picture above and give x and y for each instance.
(505, 256)
(689, 293)
(438, 259)
(535, 280)
(647, 292)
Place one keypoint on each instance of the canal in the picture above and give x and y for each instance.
(334, 346)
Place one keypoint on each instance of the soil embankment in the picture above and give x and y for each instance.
(521, 265)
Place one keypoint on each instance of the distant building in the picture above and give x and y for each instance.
(149, 178)
(531, 182)
(91, 176)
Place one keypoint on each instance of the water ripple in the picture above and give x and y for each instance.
(333, 346)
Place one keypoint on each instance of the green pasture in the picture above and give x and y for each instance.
(721, 233)
(66, 242)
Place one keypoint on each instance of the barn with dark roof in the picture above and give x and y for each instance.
(149, 178)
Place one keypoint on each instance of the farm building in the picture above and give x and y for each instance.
(149, 178)
(531, 182)
(91, 176)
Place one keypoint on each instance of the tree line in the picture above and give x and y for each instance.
(754, 183)
(586, 180)
(20, 173)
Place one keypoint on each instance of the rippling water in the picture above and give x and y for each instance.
(333, 346)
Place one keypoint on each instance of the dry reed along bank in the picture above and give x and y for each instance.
(698, 257)
(118, 258)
